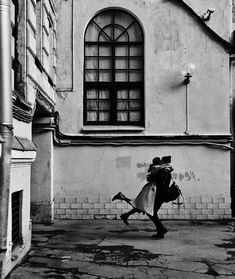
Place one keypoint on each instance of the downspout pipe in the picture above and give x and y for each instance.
(5, 120)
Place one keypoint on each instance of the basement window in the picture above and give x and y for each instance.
(114, 70)
(16, 199)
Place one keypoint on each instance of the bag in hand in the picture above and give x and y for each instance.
(173, 193)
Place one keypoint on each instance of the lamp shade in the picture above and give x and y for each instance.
(188, 69)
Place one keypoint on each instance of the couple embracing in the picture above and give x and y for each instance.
(153, 194)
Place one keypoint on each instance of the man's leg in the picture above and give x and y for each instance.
(161, 230)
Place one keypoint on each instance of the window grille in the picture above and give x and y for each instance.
(16, 207)
(114, 70)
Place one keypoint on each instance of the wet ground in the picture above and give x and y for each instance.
(110, 249)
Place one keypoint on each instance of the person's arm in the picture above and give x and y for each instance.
(153, 171)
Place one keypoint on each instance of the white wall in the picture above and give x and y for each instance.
(20, 181)
(103, 171)
(173, 37)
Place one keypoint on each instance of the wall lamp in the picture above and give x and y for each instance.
(187, 73)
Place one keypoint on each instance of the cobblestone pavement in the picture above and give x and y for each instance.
(110, 249)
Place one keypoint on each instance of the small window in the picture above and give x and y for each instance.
(16, 218)
(114, 70)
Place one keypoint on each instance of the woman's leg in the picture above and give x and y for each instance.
(126, 215)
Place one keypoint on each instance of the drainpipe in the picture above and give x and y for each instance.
(5, 121)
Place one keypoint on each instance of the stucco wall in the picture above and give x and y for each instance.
(91, 175)
(20, 181)
(42, 204)
(92, 171)
(173, 37)
(86, 177)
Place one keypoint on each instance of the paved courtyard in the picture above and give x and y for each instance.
(110, 249)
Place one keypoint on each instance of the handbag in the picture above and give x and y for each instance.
(173, 193)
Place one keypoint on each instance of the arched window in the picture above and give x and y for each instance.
(114, 70)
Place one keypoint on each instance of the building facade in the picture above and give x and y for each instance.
(95, 90)
(122, 100)
(31, 37)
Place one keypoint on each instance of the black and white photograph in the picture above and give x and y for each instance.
(117, 127)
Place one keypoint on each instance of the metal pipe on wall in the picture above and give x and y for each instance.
(5, 119)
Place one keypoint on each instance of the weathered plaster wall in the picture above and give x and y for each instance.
(20, 181)
(90, 176)
(22, 129)
(172, 38)
(86, 177)
(92, 171)
(42, 204)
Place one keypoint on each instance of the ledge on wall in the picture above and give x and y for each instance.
(23, 150)
(23, 144)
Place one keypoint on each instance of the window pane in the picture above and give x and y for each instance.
(92, 105)
(104, 94)
(121, 63)
(121, 51)
(91, 63)
(105, 51)
(135, 75)
(106, 34)
(91, 75)
(135, 105)
(136, 63)
(121, 76)
(104, 18)
(118, 30)
(92, 94)
(122, 105)
(92, 33)
(122, 116)
(135, 116)
(123, 37)
(105, 75)
(123, 19)
(91, 50)
(135, 94)
(136, 51)
(105, 63)
(104, 116)
(92, 116)
(135, 33)
(104, 105)
(122, 94)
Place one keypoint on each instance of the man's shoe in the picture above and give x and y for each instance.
(160, 234)
(124, 218)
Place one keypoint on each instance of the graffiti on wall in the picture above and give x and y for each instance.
(187, 176)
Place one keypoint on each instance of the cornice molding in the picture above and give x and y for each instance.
(222, 141)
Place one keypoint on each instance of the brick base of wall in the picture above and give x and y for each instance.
(193, 208)
(42, 212)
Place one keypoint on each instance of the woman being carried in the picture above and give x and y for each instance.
(152, 195)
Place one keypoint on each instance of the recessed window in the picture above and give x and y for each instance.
(16, 218)
(114, 70)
